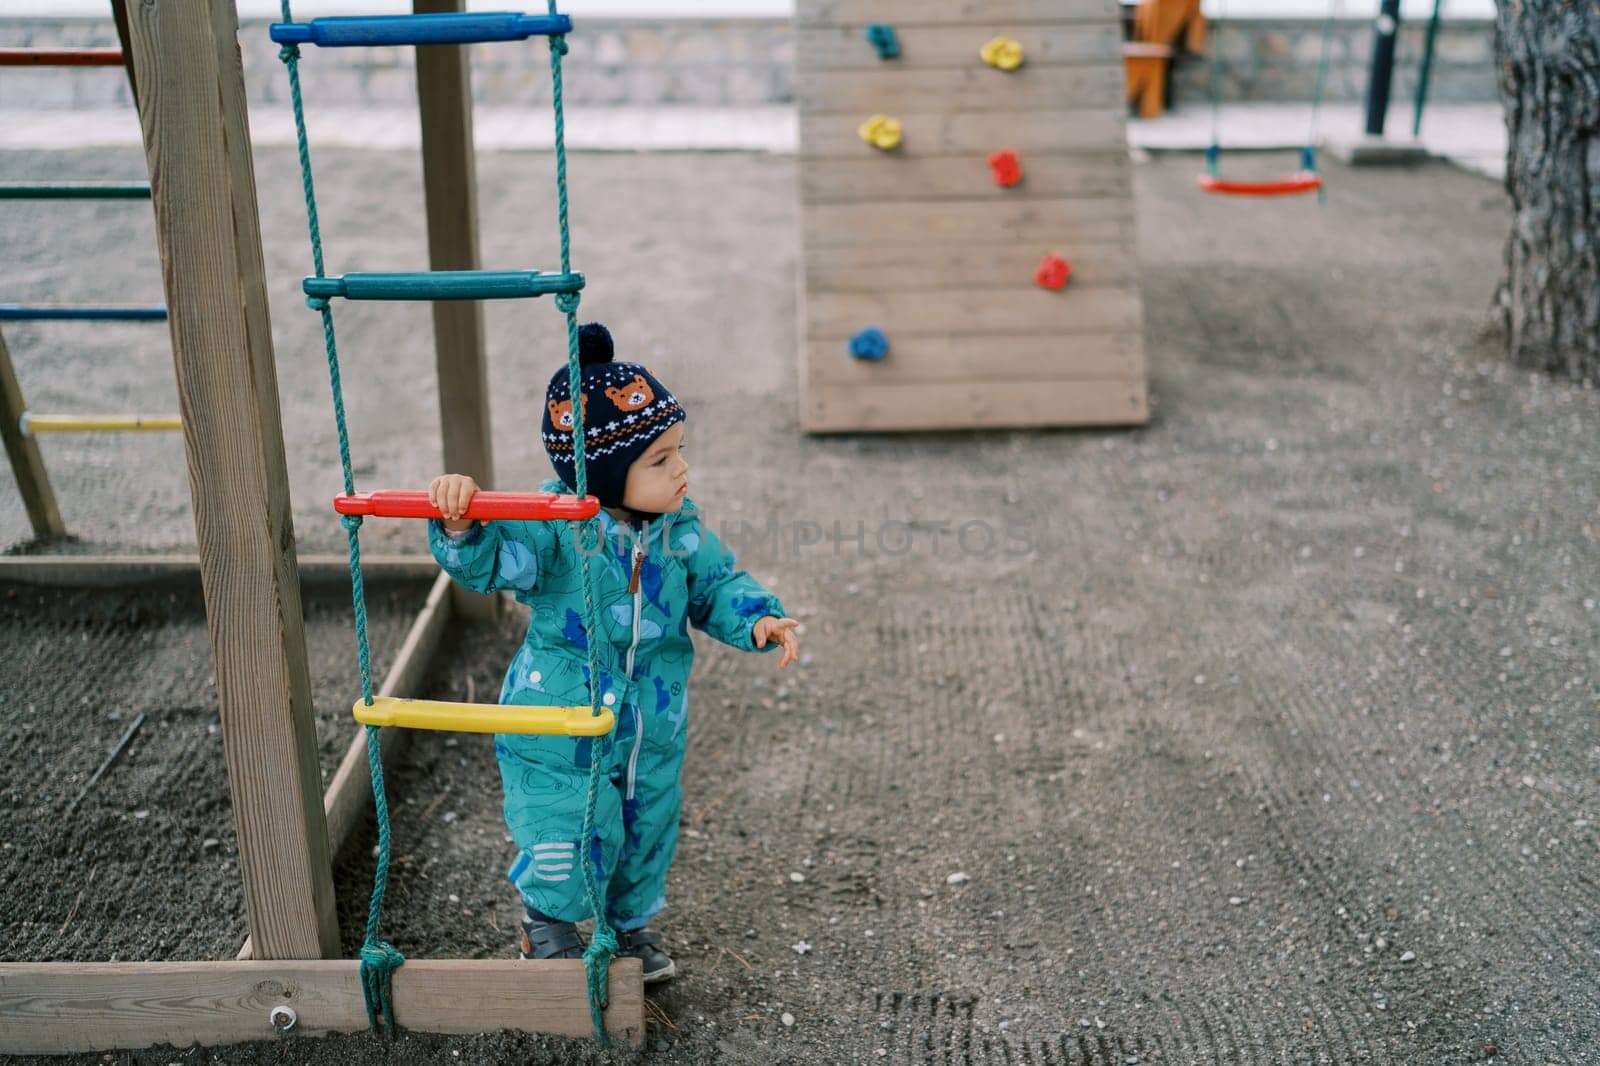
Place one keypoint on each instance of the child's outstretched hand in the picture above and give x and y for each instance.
(451, 493)
(781, 630)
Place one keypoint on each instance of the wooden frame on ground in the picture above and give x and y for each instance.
(192, 109)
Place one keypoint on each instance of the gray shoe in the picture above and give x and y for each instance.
(645, 945)
(545, 939)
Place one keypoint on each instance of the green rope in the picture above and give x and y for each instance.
(603, 944)
(1214, 150)
(379, 959)
(1322, 73)
(1308, 153)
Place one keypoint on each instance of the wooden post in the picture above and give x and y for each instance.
(23, 451)
(450, 189)
(192, 110)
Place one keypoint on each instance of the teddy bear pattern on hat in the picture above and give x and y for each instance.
(625, 407)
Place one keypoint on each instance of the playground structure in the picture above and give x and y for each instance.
(937, 365)
(904, 231)
(202, 184)
(19, 426)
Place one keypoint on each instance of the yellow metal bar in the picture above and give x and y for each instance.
(32, 423)
(484, 717)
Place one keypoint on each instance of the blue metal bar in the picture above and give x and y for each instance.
(74, 190)
(444, 285)
(448, 28)
(20, 313)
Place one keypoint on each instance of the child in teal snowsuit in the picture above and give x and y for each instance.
(660, 571)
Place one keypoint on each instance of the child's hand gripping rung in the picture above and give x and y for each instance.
(485, 717)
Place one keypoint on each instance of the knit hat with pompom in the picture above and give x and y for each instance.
(624, 409)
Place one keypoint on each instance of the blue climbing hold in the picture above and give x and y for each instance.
(869, 343)
(882, 37)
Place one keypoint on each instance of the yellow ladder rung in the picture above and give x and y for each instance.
(32, 423)
(484, 717)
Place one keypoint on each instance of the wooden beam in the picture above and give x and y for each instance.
(197, 143)
(1042, 223)
(349, 794)
(54, 1008)
(450, 191)
(973, 14)
(994, 315)
(107, 570)
(822, 47)
(970, 133)
(26, 463)
(119, 15)
(966, 177)
(973, 405)
(979, 264)
(954, 358)
(976, 87)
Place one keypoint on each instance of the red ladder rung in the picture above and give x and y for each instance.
(485, 506)
(60, 57)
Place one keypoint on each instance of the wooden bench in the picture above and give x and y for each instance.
(1158, 26)
(1144, 65)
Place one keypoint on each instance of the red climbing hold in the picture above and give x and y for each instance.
(1053, 272)
(1007, 171)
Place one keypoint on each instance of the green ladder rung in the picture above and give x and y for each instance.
(444, 285)
(74, 190)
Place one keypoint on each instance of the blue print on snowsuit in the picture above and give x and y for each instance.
(687, 577)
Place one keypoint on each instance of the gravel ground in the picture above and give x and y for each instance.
(1264, 734)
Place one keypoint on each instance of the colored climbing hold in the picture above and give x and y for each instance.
(1007, 170)
(1053, 272)
(881, 131)
(882, 37)
(869, 343)
(1002, 52)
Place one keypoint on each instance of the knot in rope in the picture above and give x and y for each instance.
(379, 960)
(567, 302)
(351, 522)
(289, 53)
(558, 44)
(317, 303)
(597, 965)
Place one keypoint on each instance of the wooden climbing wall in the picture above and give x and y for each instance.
(921, 242)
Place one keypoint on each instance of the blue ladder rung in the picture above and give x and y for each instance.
(474, 27)
(21, 313)
(444, 285)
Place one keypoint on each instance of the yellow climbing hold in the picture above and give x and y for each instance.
(881, 131)
(484, 717)
(1002, 52)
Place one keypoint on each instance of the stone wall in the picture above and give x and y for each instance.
(737, 63)
(1267, 60)
(612, 62)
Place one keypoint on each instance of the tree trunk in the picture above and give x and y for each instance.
(1548, 52)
